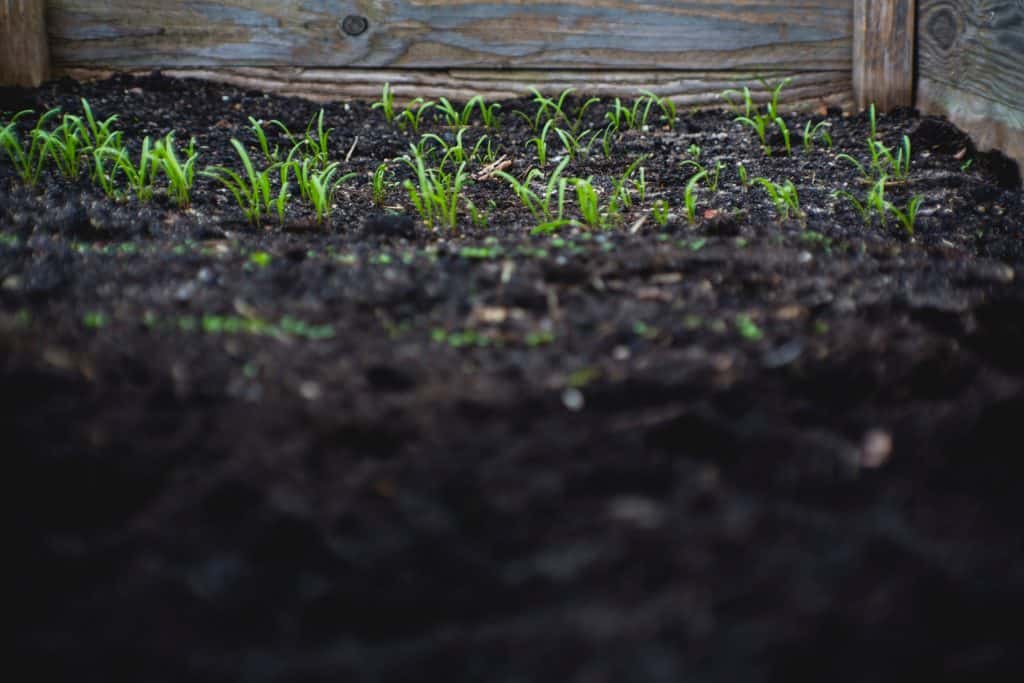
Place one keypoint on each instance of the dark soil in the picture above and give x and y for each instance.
(742, 450)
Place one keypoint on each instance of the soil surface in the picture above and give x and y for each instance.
(742, 449)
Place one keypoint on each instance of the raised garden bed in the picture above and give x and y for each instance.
(756, 442)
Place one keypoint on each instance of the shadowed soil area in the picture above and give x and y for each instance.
(742, 448)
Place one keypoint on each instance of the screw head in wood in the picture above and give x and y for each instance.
(354, 25)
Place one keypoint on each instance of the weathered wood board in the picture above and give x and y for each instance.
(971, 68)
(883, 53)
(698, 35)
(807, 90)
(24, 53)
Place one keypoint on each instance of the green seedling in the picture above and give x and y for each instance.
(319, 185)
(589, 204)
(626, 118)
(379, 184)
(576, 145)
(386, 104)
(818, 131)
(180, 176)
(554, 111)
(100, 133)
(624, 186)
(435, 193)
(140, 177)
(667, 107)
(741, 172)
(251, 192)
(690, 196)
(883, 161)
(753, 118)
(780, 123)
(783, 196)
(607, 140)
(711, 175)
(460, 118)
(411, 117)
(29, 157)
(659, 212)
(541, 143)
(908, 216)
(548, 206)
(477, 216)
(272, 156)
(66, 145)
(317, 139)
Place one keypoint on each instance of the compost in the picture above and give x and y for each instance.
(759, 445)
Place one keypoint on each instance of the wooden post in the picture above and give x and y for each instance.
(24, 52)
(883, 53)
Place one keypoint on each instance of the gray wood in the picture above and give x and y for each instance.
(808, 90)
(24, 53)
(883, 53)
(971, 62)
(616, 34)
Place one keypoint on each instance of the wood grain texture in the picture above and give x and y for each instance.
(883, 53)
(614, 34)
(24, 51)
(808, 90)
(971, 62)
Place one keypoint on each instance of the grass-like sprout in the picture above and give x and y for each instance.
(540, 141)
(908, 216)
(478, 217)
(625, 184)
(755, 119)
(435, 193)
(741, 172)
(818, 131)
(659, 212)
(873, 203)
(454, 153)
(690, 195)
(711, 174)
(29, 157)
(101, 133)
(273, 156)
(783, 196)
(549, 205)
(319, 185)
(180, 176)
(105, 169)
(589, 203)
(141, 177)
(624, 118)
(576, 145)
(607, 140)
(883, 162)
(379, 184)
(411, 117)
(251, 192)
(667, 107)
(460, 118)
(552, 110)
(386, 104)
(317, 139)
(66, 145)
(780, 123)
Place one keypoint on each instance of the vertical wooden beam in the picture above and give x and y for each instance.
(883, 53)
(24, 51)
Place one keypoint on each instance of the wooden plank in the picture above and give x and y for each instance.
(971, 62)
(808, 90)
(24, 53)
(614, 34)
(883, 53)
